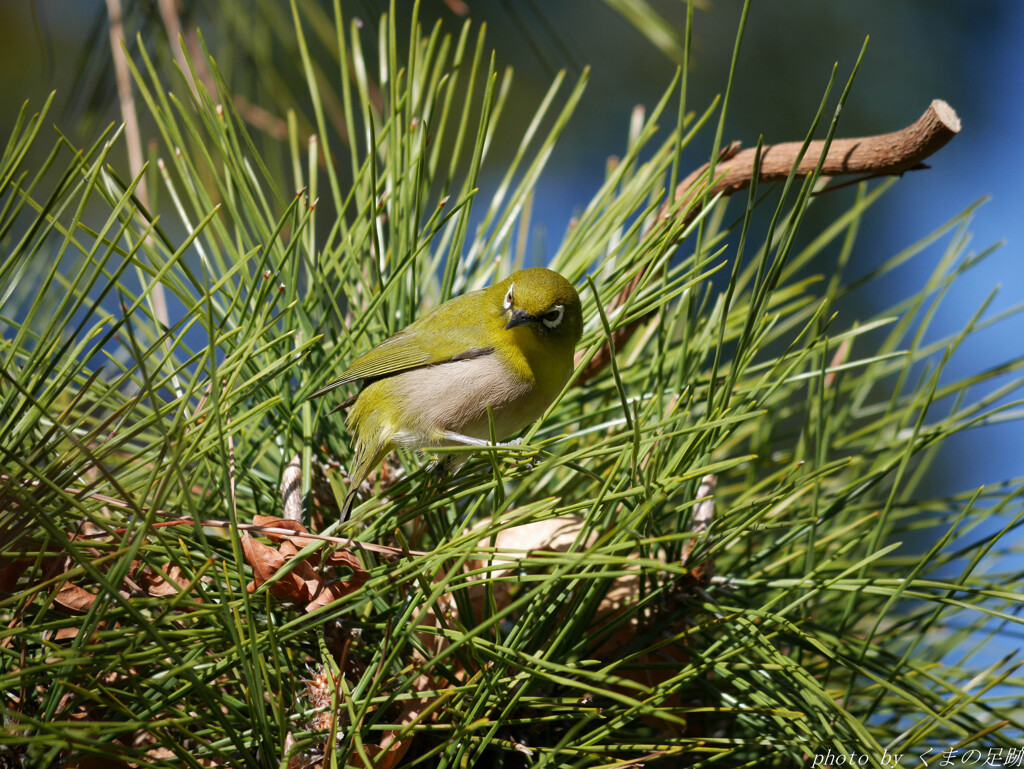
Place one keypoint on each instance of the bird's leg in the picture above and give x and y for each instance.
(468, 440)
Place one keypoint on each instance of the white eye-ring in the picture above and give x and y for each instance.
(508, 297)
(553, 317)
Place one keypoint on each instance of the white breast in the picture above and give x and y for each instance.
(453, 397)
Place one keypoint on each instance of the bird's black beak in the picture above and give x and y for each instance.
(519, 317)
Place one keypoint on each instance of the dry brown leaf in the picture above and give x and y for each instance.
(306, 583)
(12, 571)
(74, 598)
(552, 534)
(64, 633)
(343, 558)
(274, 522)
(265, 562)
(336, 589)
(156, 585)
(335, 558)
(311, 580)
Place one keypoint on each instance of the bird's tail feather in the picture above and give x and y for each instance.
(346, 508)
(365, 460)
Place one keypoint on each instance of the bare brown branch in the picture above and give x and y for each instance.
(880, 155)
(458, 7)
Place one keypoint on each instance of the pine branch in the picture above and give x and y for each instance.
(879, 155)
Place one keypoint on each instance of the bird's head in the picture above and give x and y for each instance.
(542, 301)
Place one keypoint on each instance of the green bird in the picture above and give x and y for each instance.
(509, 347)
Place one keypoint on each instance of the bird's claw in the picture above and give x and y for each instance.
(527, 461)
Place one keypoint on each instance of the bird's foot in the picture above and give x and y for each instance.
(527, 461)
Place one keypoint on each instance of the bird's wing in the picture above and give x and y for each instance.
(426, 342)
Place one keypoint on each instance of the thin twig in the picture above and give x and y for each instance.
(176, 520)
(182, 39)
(132, 135)
(124, 93)
(169, 16)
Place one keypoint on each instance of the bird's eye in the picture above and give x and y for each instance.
(553, 317)
(507, 304)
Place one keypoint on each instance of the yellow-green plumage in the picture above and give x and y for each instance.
(509, 346)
